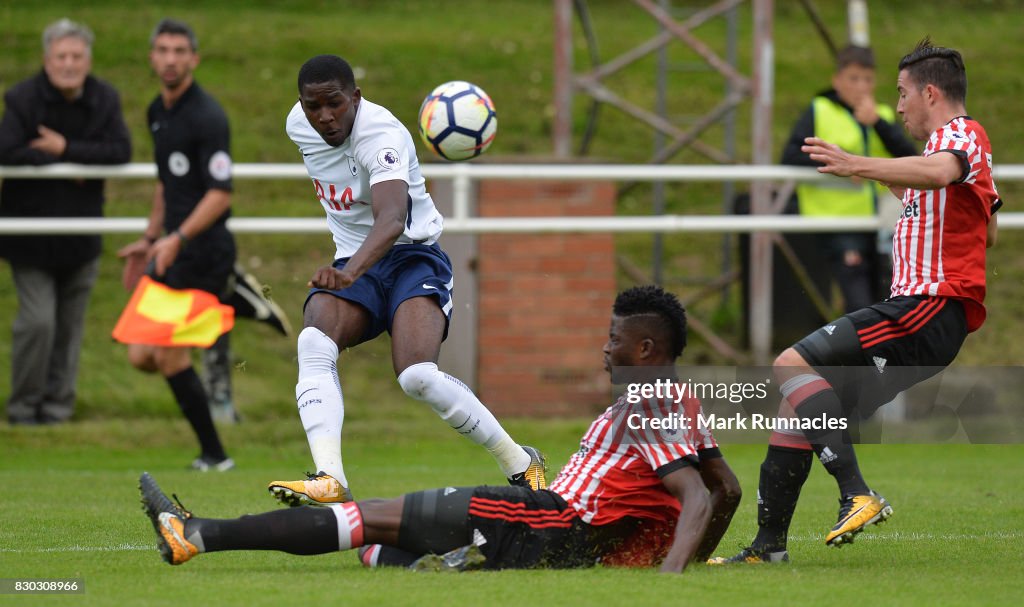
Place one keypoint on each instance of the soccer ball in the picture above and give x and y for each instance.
(458, 121)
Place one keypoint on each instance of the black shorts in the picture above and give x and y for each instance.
(514, 527)
(871, 355)
(206, 263)
(518, 528)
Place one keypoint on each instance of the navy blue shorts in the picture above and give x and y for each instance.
(406, 271)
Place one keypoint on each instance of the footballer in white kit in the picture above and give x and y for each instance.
(388, 274)
(378, 149)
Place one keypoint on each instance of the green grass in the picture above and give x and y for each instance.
(70, 509)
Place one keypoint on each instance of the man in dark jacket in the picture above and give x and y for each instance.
(61, 114)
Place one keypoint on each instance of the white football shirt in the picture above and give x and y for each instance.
(379, 149)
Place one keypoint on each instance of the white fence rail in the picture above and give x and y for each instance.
(461, 222)
(464, 175)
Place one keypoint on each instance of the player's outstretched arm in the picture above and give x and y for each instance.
(918, 172)
(688, 487)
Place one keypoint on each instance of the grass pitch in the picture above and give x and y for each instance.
(70, 509)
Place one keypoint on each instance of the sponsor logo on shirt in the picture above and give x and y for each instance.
(911, 210)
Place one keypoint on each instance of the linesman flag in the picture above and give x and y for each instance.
(161, 316)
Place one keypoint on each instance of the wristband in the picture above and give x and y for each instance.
(998, 204)
(180, 235)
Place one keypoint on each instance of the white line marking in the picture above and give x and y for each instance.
(80, 548)
(919, 537)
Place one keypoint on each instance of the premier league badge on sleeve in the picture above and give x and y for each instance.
(389, 158)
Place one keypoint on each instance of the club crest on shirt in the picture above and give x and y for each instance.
(672, 435)
(389, 158)
(352, 166)
(177, 164)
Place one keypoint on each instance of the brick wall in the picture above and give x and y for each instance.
(544, 302)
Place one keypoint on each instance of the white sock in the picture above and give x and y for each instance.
(456, 404)
(511, 457)
(320, 402)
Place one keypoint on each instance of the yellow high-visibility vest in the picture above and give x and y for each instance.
(840, 196)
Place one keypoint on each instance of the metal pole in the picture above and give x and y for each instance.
(461, 186)
(729, 135)
(760, 313)
(658, 187)
(562, 128)
(857, 22)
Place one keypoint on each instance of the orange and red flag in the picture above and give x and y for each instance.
(161, 316)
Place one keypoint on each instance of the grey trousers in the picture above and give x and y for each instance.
(47, 338)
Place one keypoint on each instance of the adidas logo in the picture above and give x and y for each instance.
(879, 363)
(830, 329)
(478, 538)
(827, 456)
(449, 490)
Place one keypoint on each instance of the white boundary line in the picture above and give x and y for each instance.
(80, 548)
(913, 536)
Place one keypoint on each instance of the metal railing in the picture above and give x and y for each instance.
(461, 222)
(464, 175)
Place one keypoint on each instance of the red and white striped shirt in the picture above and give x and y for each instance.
(614, 473)
(940, 238)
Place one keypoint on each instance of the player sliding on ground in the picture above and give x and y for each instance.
(854, 365)
(628, 497)
(389, 274)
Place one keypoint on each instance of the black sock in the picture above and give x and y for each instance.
(783, 474)
(387, 556)
(192, 400)
(306, 530)
(833, 447)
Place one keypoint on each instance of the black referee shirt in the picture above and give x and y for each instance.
(191, 142)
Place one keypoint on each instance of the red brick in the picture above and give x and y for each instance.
(535, 322)
(565, 264)
(544, 301)
(516, 345)
(585, 244)
(599, 284)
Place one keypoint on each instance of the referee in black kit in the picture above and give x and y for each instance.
(187, 240)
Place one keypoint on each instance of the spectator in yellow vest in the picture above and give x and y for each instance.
(848, 115)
